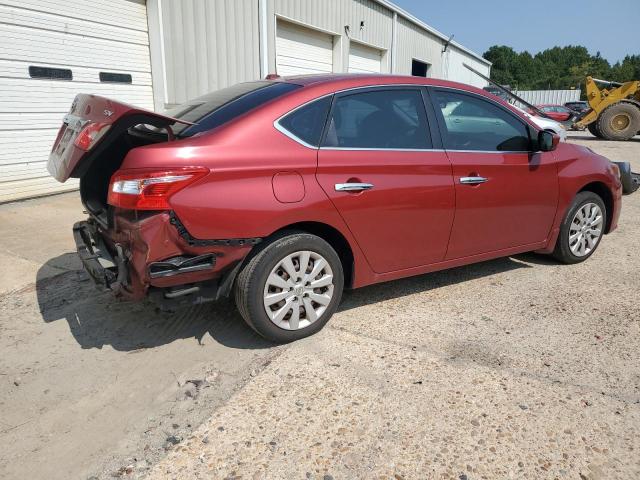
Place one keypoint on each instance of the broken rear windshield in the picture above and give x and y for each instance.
(216, 108)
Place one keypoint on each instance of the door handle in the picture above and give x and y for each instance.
(353, 187)
(473, 180)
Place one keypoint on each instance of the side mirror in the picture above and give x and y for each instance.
(547, 141)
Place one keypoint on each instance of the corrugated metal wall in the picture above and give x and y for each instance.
(557, 97)
(208, 45)
(415, 42)
(453, 68)
(332, 16)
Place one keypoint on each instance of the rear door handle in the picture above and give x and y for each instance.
(353, 187)
(473, 180)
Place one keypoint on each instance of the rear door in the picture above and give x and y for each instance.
(506, 195)
(378, 165)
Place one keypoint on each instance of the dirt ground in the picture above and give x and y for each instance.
(514, 368)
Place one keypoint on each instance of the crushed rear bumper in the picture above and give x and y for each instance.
(107, 270)
(149, 258)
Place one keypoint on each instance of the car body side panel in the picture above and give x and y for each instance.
(516, 206)
(577, 168)
(405, 219)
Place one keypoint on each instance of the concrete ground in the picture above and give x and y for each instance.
(514, 368)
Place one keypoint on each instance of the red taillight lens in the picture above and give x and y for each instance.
(90, 135)
(150, 190)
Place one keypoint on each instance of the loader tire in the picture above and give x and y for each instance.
(593, 128)
(620, 121)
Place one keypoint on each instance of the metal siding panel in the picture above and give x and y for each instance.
(332, 16)
(457, 72)
(209, 45)
(557, 97)
(415, 42)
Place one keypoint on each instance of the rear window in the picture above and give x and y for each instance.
(216, 108)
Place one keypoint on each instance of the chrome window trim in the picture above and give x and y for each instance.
(364, 149)
(493, 102)
(493, 151)
(380, 149)
(281, 129)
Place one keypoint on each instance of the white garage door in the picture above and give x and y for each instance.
(301, 50)
(364, 59)
(50, 50)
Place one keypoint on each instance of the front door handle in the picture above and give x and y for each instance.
(473, 180)
(353, 187)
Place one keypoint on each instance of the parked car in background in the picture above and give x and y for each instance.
(559, 113)
(578, 107)
(285, 192)
(546, 124)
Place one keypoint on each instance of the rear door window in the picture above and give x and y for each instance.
(472, 123)
(379, 119)
(307, 122)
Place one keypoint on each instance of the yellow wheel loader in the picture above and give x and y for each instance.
(615, 109)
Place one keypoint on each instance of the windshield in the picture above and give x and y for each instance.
(216, 108)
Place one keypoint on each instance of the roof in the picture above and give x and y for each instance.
(351, 80)
(413, 19)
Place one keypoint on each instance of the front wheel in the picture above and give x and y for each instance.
(581, 229)
(290, 288)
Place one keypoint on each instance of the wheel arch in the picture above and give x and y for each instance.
(333, 237)
(600, 189)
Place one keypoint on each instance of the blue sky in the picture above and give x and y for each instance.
(613, 27)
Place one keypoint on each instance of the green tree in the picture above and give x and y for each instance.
(556, 68)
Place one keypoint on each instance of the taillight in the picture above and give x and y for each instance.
(90, 135)
(150, 190)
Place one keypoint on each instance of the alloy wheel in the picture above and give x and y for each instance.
(298, 290)
(585, 230)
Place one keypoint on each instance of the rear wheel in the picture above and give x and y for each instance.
(620, 121)
(581, 229)
(290, 288)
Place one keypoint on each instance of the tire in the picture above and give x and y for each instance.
(620, 121)
(565, 250)
(593, 128)
(257, 280)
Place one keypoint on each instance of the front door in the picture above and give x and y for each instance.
(378, 166)
(506, 196)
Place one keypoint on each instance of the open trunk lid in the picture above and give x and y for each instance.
(85, 129)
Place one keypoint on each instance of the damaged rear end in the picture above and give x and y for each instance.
(133, 243)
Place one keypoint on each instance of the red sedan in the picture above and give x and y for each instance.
(560, 113)
(284, 192)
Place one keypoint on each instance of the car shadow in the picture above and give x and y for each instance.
(429, 281)
(97, 319)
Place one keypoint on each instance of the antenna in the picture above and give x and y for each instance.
(446, 44)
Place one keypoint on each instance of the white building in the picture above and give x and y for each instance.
(159, 53)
